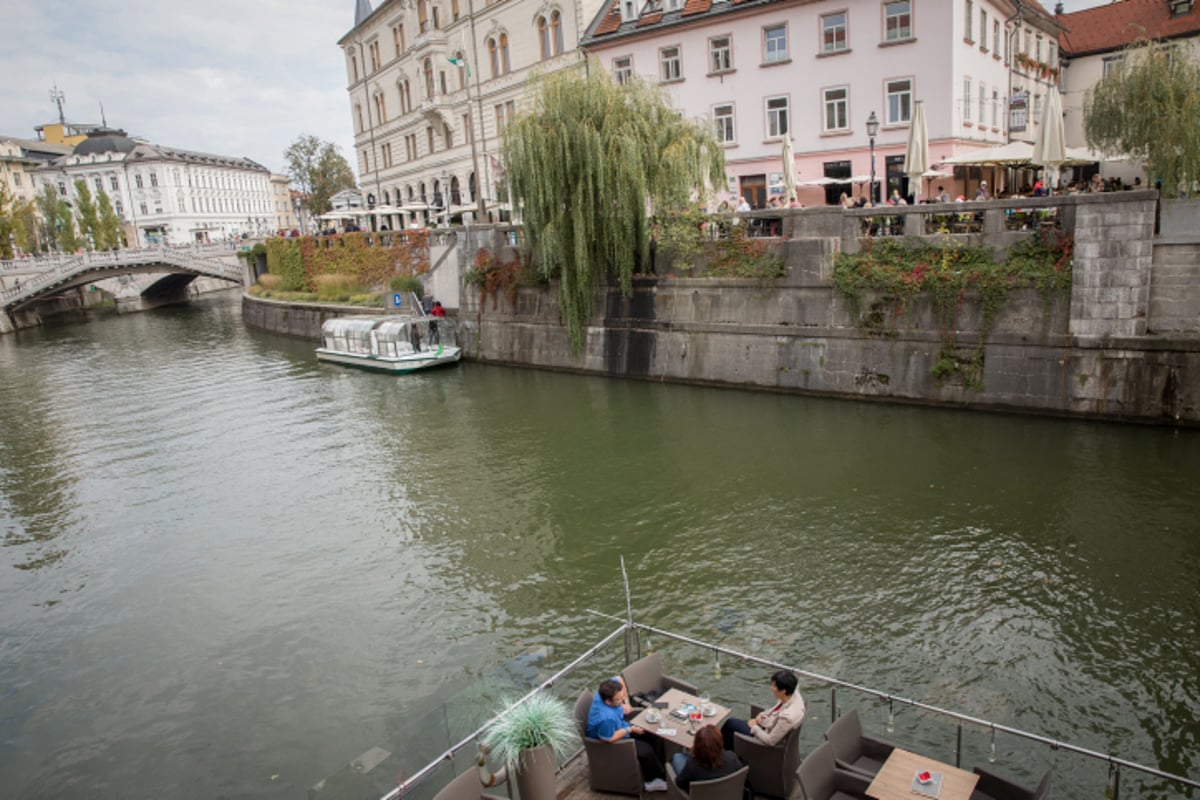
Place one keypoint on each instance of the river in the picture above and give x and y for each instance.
(228, 569)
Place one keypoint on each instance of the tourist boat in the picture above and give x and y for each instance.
(398, 344)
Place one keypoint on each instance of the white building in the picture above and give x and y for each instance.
(431, 84)
(1092, 42)
(815, 72)
(164, 194)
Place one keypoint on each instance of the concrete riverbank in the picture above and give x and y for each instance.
(1125, 345)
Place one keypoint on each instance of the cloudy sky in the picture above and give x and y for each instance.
(233, 77)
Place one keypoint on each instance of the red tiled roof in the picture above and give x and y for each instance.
(1113, 26)
(611, 21)
(696, 7)
(649, 19)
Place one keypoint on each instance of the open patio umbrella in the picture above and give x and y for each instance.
(1011, 154)
(916, 156)
(1050, 147)
(822, 181)
(789, 171)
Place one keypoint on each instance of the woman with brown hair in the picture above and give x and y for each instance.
(708, 761)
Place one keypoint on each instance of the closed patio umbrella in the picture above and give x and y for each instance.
(1050, 147)
(916, 156)
(789, 171)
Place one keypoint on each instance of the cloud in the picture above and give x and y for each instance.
(227, 77)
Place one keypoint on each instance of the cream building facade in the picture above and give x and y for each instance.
(431, 84)
(20, 159)
(283, 213)
(164, 194)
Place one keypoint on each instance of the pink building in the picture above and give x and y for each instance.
(815, 70)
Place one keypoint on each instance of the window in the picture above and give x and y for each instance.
(422, 16)
(461, 60)
(410, 151)
(17, 181)
(1039, 48)
(354, 67)
(366, 164)
(720, 54)
(837, 109)
(99, 183)
(983, 29)
(982, 102)
(112, 181)
(668, 59)
(550, 35)
(380, 108)
(454, 12)
(899, 101)
(427, 68)
(442, 81)
(775, 39)
(995, 108)
(723, 119)
(145, 210)
(467, 132)
(503, 112)
(448, 135)
(373, 49)
(154, 179)
(504, 61)
(967, 89)
(833, 32)
(429, 137)
(398, 38)
(969, 20)
(119, 207)
(387, 155)
(777, 116)
(1037, 109)
(1052, 55)
(996, 37)
(1111, 63)
(623, 68)
(137, 181)
(897, 20)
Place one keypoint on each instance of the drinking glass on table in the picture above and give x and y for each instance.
(705, 704)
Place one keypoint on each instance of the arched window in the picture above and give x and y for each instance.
(409, 189)
(493, 57)
(461, 60)
(428, 67)
(556, 32)
(455, 193)
(504, 60)
(543, 28)
(380, 108)
(421, 189)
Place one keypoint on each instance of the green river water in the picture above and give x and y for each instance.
(227, 569)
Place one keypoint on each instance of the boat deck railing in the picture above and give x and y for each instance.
(972, 736)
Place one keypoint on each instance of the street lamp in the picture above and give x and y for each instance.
(872, 129)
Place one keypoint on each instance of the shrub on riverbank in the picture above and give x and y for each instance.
(370, 259)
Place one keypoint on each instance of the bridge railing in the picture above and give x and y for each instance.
(57, 269)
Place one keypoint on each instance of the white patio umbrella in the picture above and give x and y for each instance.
(789, 171)
(916, 156)
(821, 182)
(1050, 147)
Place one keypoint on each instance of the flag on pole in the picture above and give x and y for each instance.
(460, 63)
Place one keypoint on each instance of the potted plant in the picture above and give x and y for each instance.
(527, 737)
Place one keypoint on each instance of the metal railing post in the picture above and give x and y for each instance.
(958, 747)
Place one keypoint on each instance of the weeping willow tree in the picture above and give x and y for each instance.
(589, 162)
(1149, 108)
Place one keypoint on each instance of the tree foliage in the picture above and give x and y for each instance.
(588, 163)
(108, 236)
(85, 209)
(64, 222)
(47, 209)
(7, 207)
(1148, 108)
(25, 226)
(318, 170)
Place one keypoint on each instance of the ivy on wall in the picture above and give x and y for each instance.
(371, 259)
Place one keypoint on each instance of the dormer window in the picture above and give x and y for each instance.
(674, 5)
(628, 11)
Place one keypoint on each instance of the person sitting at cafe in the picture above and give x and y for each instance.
(606, 720)
(943, 195)
(708, 760)
(982, 192)
(769, 727)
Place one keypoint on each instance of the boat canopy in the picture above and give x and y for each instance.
(388, 337)
(349, 335)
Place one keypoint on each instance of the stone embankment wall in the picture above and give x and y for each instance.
(295, 319)
(1123, 346)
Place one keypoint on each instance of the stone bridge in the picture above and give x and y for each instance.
(168, 271)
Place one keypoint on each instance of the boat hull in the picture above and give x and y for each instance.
(426, 359)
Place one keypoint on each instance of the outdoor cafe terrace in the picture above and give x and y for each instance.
(950, 741)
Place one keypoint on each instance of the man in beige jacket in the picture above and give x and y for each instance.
(771, 725)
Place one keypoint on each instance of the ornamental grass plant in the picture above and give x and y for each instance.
(541, 720)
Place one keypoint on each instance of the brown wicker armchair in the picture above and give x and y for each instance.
(772, 769)
(612, 766)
